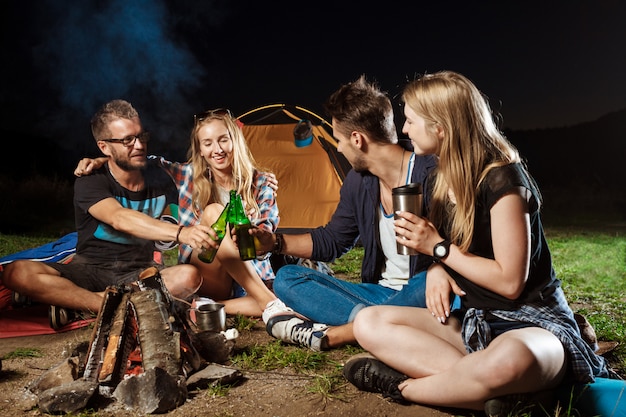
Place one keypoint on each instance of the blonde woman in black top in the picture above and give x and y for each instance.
(514, 333)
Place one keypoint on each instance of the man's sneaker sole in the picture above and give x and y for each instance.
(19, 300)
(59, 316)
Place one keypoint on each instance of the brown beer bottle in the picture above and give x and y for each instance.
(241, 224)
(207, 255)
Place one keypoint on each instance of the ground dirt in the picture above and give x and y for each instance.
(275, 393)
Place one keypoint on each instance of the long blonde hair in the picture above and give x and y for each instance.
(243, 166)
(472, 145)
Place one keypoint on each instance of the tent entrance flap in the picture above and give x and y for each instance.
(309, 177)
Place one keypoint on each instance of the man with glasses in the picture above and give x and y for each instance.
(119, 212)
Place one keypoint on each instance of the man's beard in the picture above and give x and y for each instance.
(359, 165)
(127, 166)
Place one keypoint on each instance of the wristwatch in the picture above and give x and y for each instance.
(441, 250)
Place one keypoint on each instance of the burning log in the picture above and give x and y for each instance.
(141, 353)
(160, 345)
(102, 327)
(121, 342)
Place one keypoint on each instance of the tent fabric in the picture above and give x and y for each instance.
(309, 177)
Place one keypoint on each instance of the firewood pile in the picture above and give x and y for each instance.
(142, 353)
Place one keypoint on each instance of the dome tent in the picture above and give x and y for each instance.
(309, 170)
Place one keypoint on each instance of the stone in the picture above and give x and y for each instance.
(67, 398)
(214, 374)
(62, 373)
(153, 392)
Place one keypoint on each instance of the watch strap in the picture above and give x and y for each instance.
(445, 245)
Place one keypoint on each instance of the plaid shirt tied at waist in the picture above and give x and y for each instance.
(554, 315)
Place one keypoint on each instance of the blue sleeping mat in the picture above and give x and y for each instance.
(50, 252)
(604, 398)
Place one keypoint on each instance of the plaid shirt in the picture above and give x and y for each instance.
(552, 314)
(182, 174)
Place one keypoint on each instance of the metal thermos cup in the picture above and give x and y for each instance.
(407, 198)
(209, 317)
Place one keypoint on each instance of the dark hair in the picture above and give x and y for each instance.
(362, 106)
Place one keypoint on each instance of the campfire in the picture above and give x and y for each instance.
(142, 353)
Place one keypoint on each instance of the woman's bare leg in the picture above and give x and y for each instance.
(340, 335)
(523, 360)
(227, 266)
(246, 306)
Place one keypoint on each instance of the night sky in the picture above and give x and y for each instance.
(542, 63)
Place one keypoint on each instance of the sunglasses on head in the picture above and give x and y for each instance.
(216, 112)
(129, 141)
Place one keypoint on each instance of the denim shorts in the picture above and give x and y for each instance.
(500, 326)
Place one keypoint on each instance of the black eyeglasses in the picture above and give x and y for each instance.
(216, 112)
(129, 141)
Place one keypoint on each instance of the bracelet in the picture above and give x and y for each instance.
(178, 234)
(278, 246)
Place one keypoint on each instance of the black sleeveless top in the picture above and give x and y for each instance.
(541, 279)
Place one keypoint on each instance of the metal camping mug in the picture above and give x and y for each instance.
(407, 198)
(208, 317)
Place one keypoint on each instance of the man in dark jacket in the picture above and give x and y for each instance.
(363, 125)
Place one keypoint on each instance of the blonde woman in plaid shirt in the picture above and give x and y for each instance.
(220, 160)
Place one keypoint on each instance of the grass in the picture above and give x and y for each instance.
(274, 355)
(243, 323)
(591, 264)
(217, 390)
(320, 369)
(349, 265)
(592, 268)
(23, 353)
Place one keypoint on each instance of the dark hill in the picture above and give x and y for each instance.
(591, 153)
(580, 169)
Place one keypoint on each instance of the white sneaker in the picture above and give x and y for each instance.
(298, 331)
(273, 308)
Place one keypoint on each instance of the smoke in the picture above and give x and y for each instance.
(85, 53)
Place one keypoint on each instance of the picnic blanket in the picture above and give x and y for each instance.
(33, 320)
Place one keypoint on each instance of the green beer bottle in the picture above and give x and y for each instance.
(241, 224)
(207, 255)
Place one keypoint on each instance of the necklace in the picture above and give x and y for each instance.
(385, 199)
(401, 166)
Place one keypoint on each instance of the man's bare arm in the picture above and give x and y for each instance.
(143, 226)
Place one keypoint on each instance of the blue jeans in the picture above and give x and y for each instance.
(325, 299)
